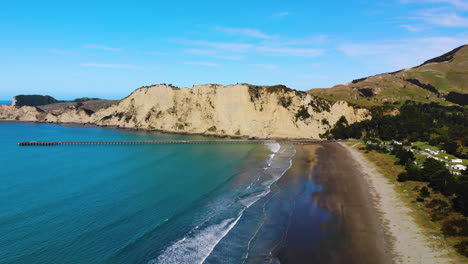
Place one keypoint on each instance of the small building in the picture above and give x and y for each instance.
(459, 167)
(433, 152)
(456, 161)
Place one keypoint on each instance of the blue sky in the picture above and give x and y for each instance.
(107, 49)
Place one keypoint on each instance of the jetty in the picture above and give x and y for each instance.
(166, 142)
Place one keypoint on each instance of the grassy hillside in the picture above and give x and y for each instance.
(443, 79)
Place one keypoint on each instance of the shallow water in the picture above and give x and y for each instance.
(137, 204)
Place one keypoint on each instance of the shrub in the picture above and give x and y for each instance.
(455, 227)
(302, 113)
(277, 88)
(403, 176)
(424, 192)
(285, 101)
(420, 200)
(462, 248)
(438, 204)
(320, 105)
(254, 93)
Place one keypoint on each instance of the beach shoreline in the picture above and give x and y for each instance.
(408, 242)
(348, 230)
(364, 219)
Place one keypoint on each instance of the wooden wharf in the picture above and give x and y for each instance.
(165, 142)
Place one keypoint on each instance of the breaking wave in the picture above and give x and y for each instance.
(197, 245)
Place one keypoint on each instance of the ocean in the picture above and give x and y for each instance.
(5, 102)
(141, 203)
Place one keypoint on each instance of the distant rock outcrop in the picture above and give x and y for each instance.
(85, 99)
(33, 100)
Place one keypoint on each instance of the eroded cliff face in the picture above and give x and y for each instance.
(233, 110)
(21, 113)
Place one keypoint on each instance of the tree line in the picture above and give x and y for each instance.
(442, 126)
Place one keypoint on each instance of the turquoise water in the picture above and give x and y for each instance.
(7, 102)
(136, 204)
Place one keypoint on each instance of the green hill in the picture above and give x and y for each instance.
(443, 79)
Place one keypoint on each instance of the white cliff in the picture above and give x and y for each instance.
(233, 110)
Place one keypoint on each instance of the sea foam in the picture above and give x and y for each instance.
(199, 243)
(196, 248)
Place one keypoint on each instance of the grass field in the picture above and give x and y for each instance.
(445, 77)
(424, 145)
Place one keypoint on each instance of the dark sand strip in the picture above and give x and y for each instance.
(352, 232)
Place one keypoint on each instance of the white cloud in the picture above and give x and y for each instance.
(412, 28)
(266, 66)
(101, 47)
(364, 49)
(460, 4)
(305, 52)
(442, 18)
(223, 47)
(246, 32)
(402, 53)
(310, 40)
(112, 66)
(281, 14)
(201, 63)
(213, 54)
(156, 53)
(228, 46)
(58, 51)
(201, 52)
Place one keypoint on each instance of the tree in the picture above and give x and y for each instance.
(461, 201)
(450, 146)
(414, 172)
(442, 181)
(430, 167)
(424, 192)
(403, 176)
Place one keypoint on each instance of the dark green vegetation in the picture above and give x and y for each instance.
(89, 106)
(302, 113)
(426, 103)
(443, 80)
(49, 104)
(445, 196)
(85, 99)
(442, 126)
(255, 93)
(458, 98)
(319, 105)
(33, 100)
(285, 101)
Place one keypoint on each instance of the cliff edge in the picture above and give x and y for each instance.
(211, 109)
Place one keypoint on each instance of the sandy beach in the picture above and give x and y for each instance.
(409, 244)
(351, 232)
(367, 222)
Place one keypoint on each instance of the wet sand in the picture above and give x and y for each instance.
(351, 233)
